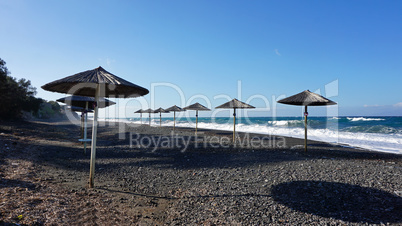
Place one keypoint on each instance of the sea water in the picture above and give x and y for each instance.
(376, 133)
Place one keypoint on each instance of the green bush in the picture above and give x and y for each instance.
(16, 95)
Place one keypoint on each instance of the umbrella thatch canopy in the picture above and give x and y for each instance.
(85, 84)
(174, 109)
(196, 107)
(235, 103)
(149, 110)
(306, 98)
(140, 111)
(160, 111)
(95, 83)
(81, 101)
(79, 109)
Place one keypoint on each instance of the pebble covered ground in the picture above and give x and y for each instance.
(184, 180)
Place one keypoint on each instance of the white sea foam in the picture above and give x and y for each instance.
(283, 122)
(355, 119)
(373, 141)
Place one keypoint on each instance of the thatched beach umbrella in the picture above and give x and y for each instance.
(306, 98)
(86, 103)
(95, 83)
(174, 109)
(79, 109)
(197, 107)
(235, 103)
(149, 110)
(140, 111)
(160, 111)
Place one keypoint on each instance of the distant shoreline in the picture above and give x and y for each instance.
(360, 132)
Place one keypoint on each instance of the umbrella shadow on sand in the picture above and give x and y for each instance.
(351, 203)
(8, 183)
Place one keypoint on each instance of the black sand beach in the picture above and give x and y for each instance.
(157, 177)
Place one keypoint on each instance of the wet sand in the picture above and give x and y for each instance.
(160, 177)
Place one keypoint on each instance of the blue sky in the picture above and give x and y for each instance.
(201, 51)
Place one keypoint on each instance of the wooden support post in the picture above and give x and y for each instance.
(85, 127)
(82, 124)
(93, 144)
(150, 119)
(160, 119)
(305, 128)
(174, 120)
(234, 125)
(196, 121)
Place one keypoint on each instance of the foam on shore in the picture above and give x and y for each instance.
(390, 143)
